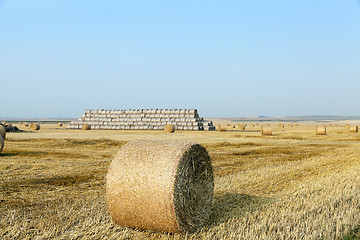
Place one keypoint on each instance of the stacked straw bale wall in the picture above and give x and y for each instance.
(142, 119)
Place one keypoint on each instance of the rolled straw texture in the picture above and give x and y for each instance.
(2, 143)
(161, 186)
(266, 130)
(169, 128)
(320, 130)
(354, 129)
(85, 127)
(3, 132)
(35, 126)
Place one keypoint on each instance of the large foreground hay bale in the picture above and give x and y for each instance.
(3, 131)
(1, 143)
(169, 128)
(354, 129)
(266, 130)
(161, 186)
(320, 130)
(86, 127)
(35, 126)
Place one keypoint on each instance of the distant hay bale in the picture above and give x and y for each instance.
(354, 129)
(221, 128)
(26, 124)
(161, 186)
(240, 127)
(320, 130)
(169, 128)
(266, 130)
(3, 132)
(35, 126)
(2, 143)
(85, 127)
(60, 124)
(281, 125)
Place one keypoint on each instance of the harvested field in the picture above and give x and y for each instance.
(292, 185)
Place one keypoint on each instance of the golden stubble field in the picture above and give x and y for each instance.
(292, 185)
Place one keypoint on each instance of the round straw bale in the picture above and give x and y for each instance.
(221, 128)
(266, 130)
(161, 186)
(354, 129)
(240, 127)
(35, 126)
(320, 130)
(86, 127)
(2, 143)
(169, 128)
(3, 132)
(281, 125)
(60, 124)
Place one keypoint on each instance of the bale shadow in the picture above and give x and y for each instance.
(230, 205)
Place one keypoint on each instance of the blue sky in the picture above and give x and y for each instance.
(225, 58)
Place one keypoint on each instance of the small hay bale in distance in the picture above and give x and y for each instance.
(354, 128)
(281, 125)
(320, 130)
(240, 127)
(60, 124)
(3, 132)
(160, 186)
(221, 128)
(86, 127)
(169, 128)
(1, 143)
(266, 130)
(35, 126)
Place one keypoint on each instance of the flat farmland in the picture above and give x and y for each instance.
(291, 185)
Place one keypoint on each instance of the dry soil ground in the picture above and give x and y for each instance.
(292, 185)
